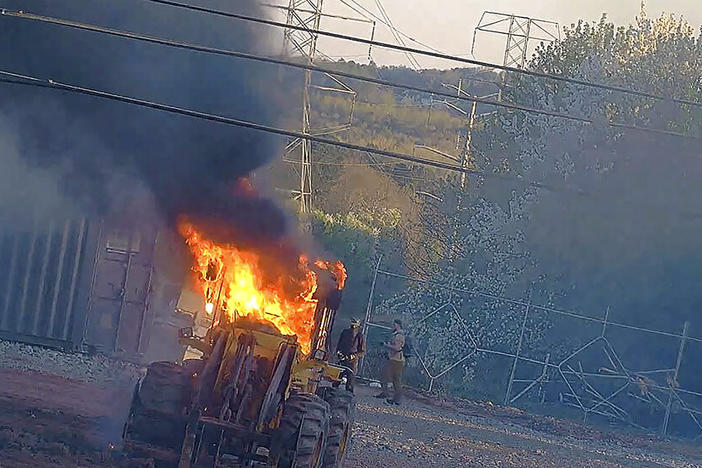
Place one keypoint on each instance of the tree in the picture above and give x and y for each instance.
(641, 184)
(594, 215)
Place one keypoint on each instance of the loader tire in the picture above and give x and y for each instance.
(303, 430)
(342, 405)
(157, 416)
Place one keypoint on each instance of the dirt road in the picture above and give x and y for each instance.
(426, 433)
(50, 420)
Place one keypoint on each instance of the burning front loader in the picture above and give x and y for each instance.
(253, 397)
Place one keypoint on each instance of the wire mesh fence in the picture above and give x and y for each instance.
(476, 343)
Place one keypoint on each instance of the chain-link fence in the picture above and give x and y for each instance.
(533, 354)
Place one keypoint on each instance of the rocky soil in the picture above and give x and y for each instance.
(59, 409)
(426, 432)
(73, 366)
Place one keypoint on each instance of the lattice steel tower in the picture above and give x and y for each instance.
(306, 14)
(520, 32)
(518, 35)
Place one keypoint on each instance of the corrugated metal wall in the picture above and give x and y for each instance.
(40, 270)
(77, 285)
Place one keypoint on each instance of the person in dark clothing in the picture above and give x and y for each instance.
(351, 347)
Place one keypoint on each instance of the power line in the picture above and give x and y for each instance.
(390, 26)
(22, 79)
(324, 163)
(427, 53)
(397, 37)
(27, 80)
(308, 66)
(325, 15)
(347, 56)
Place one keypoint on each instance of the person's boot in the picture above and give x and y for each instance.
(392, 401)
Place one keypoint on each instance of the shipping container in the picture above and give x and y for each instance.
(84, 285)
(40, 272)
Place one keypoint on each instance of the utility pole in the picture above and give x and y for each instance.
(520, 32)
(464, 144)
(466, 153)
(465, 160)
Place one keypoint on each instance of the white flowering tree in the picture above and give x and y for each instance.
(587, 210)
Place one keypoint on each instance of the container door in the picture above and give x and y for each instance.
(120, 293)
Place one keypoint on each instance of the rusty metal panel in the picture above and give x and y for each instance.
(41, 269)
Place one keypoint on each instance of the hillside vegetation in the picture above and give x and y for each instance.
(585, 217)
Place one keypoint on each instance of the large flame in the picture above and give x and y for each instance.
(239, 284)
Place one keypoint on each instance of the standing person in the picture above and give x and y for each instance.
(394, 365)
(351, 347)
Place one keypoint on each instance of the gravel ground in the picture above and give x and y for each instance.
(59, 409)
(426, 433)
(74, 366)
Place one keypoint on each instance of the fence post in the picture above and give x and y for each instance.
(369, 309)
(544, 375)
(516, 356)
(666, 419)
(604, 322)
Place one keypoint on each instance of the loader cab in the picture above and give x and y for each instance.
(328, 297)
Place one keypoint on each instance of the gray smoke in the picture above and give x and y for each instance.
(38, 193)
(109, 155)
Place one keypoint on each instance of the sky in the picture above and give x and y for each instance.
(448, 25)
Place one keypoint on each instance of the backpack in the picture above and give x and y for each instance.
(408, 348)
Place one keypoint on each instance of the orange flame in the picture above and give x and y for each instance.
(337, 269)
(239, 280)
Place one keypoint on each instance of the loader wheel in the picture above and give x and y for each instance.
(303, 431)
(342, 407)
(157, 415)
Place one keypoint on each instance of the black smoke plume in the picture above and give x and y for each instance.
(108, 154)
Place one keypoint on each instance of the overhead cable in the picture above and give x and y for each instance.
(330, 71)
(427, 53)
(382, 21)
(28, 80)
(325, 15)
(413, 61)
(18, 79)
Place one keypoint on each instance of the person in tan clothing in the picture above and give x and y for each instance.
(394, 365)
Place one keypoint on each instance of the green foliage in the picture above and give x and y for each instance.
(355, 235)
(620, 225)
(622, 246)
(389, 125)
(627, 245)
